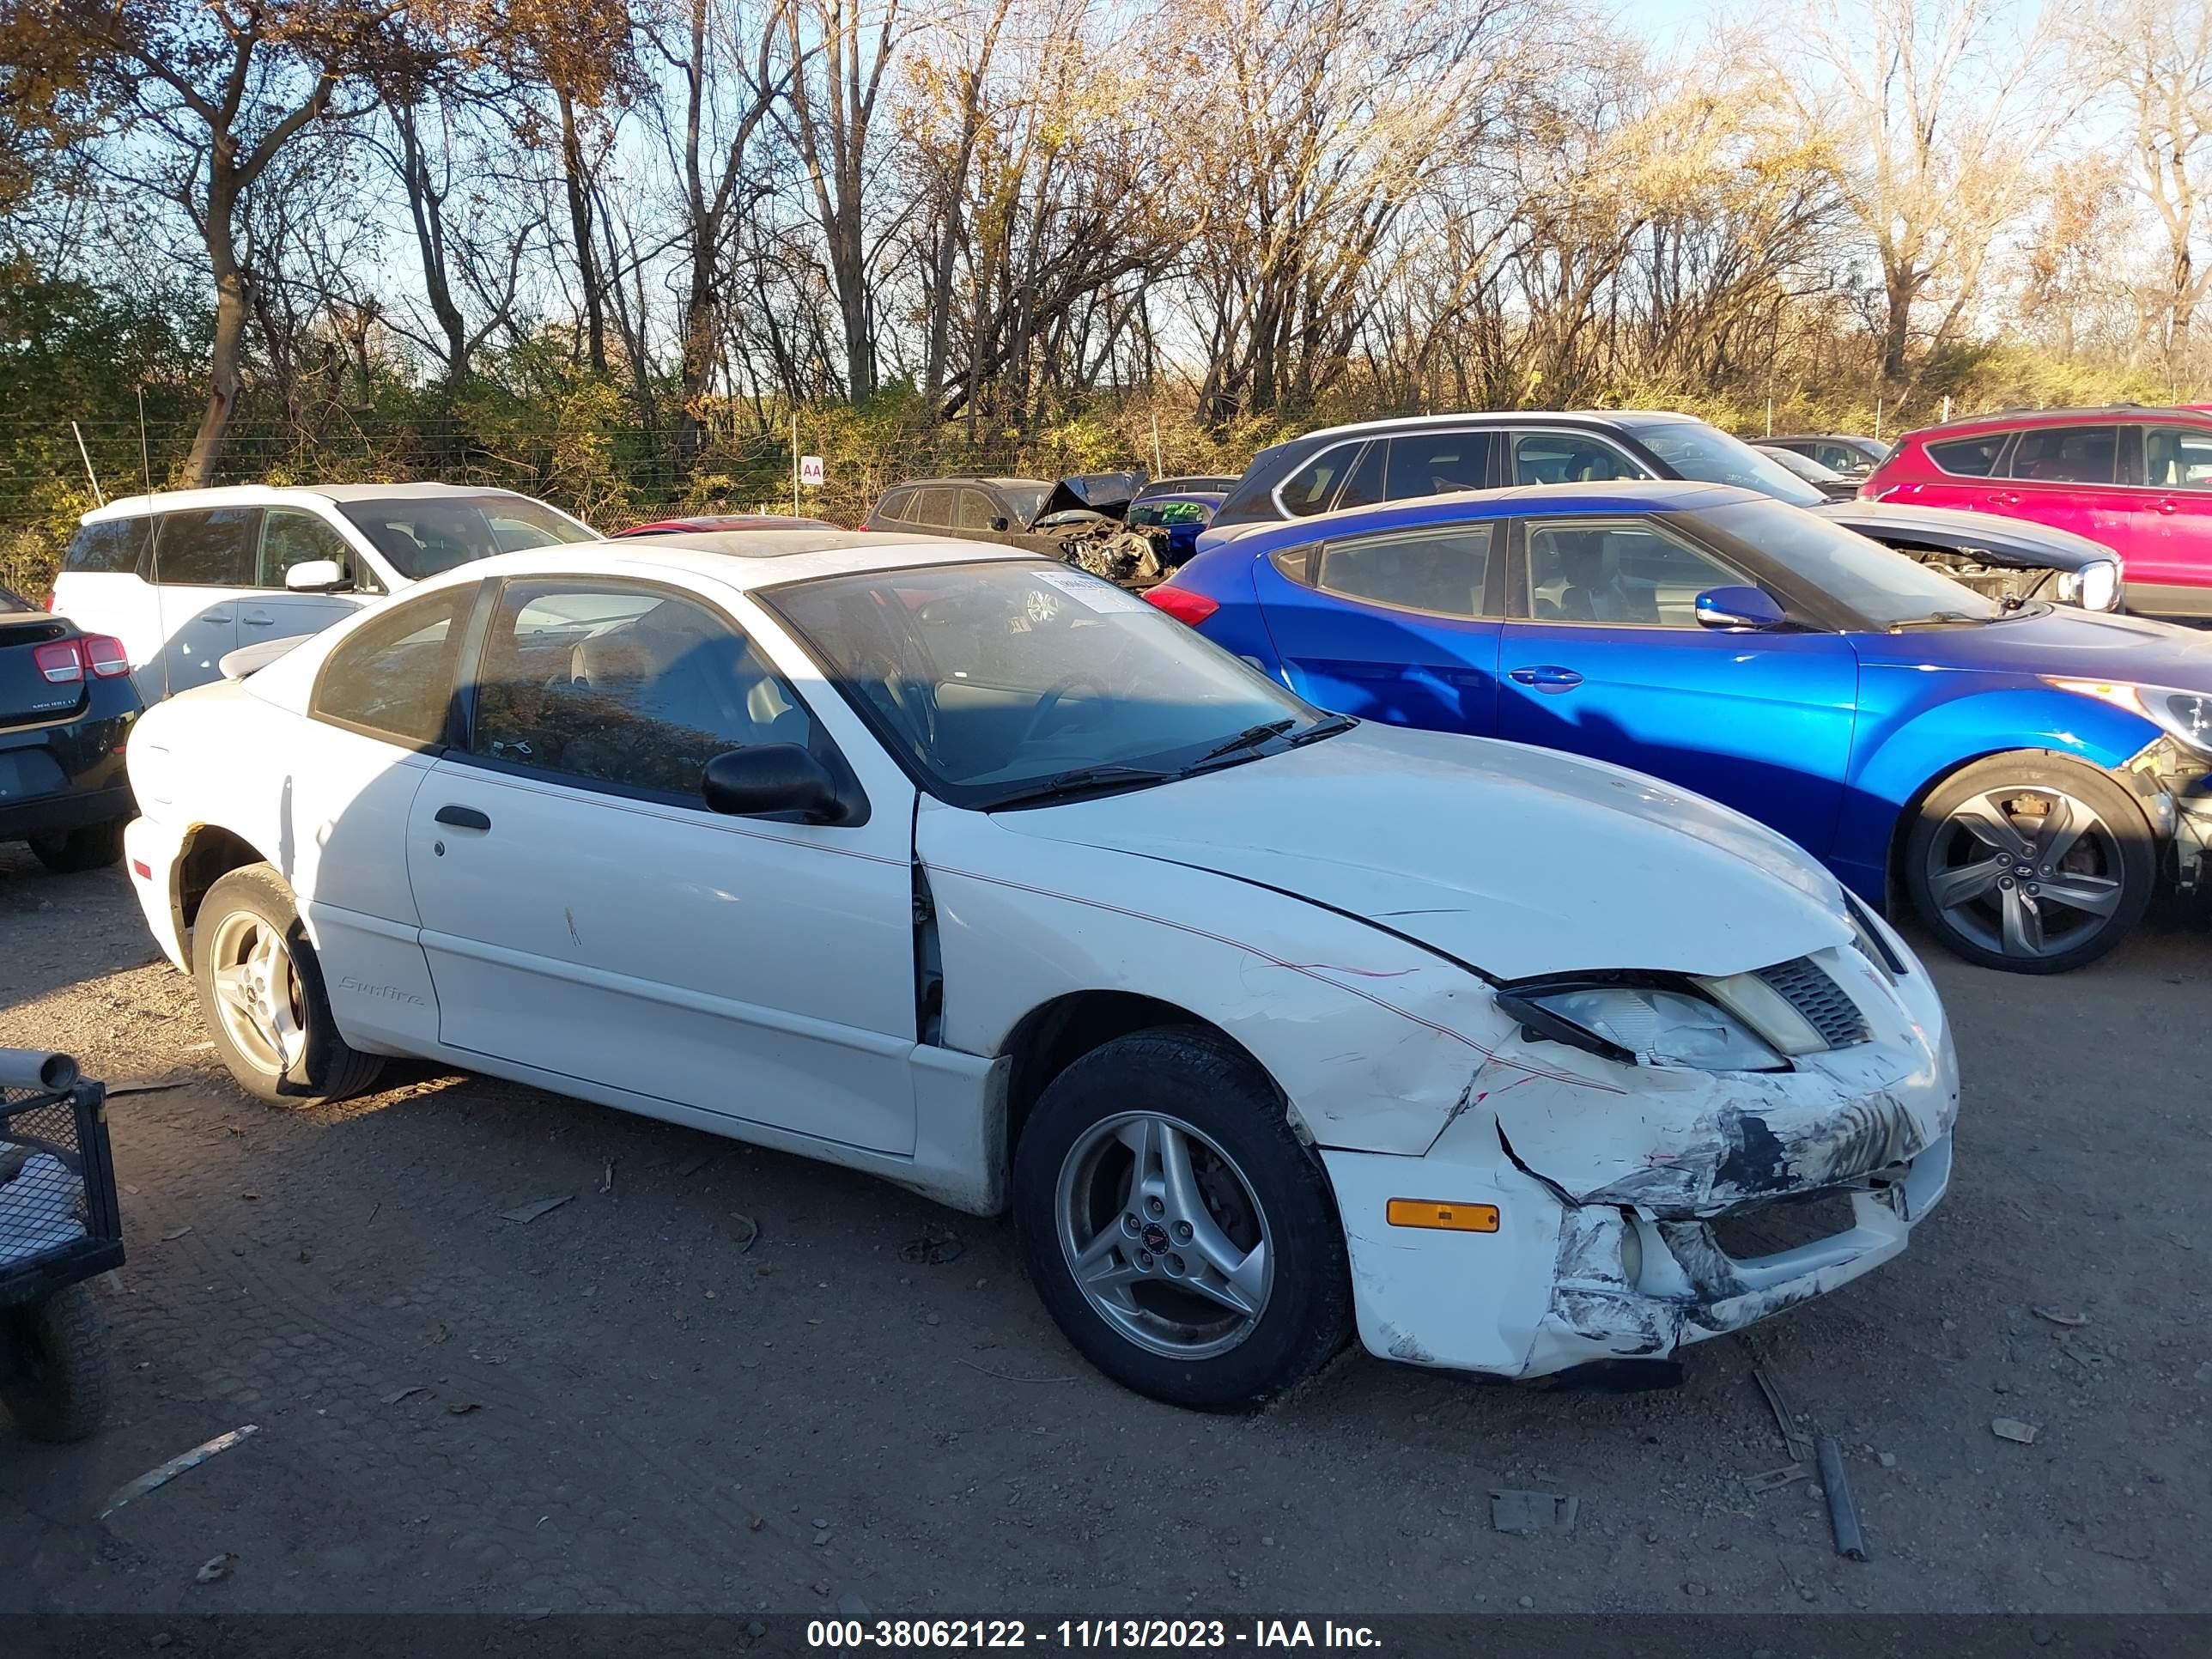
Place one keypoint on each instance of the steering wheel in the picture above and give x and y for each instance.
(1050, 701)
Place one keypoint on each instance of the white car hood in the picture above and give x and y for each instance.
(1517, 861)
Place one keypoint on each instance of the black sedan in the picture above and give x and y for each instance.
(66, 705)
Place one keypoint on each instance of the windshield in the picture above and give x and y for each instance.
(1695, 450)
(1803, 465)
(420, 535)
(1883, 587)
(990, 680)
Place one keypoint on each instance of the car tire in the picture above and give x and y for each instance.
(89, 847)
(61, 1343)
(1245, 1179)
(262, 996)
(1976, 870)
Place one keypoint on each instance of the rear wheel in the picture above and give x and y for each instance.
(1178, 1232)
(261, 990)
(61, 1359)
(89, 847)
(2030, 863)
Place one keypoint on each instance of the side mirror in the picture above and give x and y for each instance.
(1001, 525)
(772, 780)
(316, 576)
(1738, 607)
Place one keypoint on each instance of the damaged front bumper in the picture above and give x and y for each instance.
(1634, 1220)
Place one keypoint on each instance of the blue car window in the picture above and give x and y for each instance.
(1441, 570)
(1611, 571)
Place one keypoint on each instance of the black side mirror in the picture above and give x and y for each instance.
(1000, 524)
(773, 780)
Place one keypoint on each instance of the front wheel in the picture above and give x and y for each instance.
(2030, 863)
(1175, 1228)
(261, 990)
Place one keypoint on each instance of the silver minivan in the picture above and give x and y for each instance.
(185, 577)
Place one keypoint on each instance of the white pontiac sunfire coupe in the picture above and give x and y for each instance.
(970, 870)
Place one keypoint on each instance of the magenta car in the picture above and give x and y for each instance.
(2138, 479)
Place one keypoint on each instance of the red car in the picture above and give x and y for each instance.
(724, 521)
(2138, 479)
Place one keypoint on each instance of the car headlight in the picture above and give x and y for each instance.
(1644, 1023)
(2185, 716)
(2094, 586)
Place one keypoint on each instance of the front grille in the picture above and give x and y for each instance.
(1806, 986)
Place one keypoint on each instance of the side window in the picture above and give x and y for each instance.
(624, 684)
(1616, 571)
(1364, 487)
(391, 677)
(290, 537)
(1969, 458)
(211, 547)
(1310, 488)
(1551, 458)
(2178, 458)
(1441, 571)
(976, 512)
(2066, 454)
(107, 547)
(1438, 463)
(932, 507)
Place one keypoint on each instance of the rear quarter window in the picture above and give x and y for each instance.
(391, 678)
(110, 546)
(1970, 457)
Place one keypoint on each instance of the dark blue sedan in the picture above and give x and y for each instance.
(1182, 507)
(2027, 774)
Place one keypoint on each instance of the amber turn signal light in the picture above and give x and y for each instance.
(1449, 1218)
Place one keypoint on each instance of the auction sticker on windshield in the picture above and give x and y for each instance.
(1092, 593)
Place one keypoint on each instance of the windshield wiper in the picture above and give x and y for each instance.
(1935, 619)
(1082, 780)
(1324, 728)
(1250, 738)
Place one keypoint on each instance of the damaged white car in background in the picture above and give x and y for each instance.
(970, 870)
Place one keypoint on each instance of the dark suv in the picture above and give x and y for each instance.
(1435, 454)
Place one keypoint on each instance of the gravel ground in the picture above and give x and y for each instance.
(721, 1379)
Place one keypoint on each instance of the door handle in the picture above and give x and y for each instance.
(2166, 505)
(2005, 498)
(464, 817)
(259, 619)
(1547, 677)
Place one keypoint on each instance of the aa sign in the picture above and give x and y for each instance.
(809, 471)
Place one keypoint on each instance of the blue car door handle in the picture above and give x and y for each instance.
(1547, 677)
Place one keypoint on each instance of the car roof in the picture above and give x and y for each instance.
(1498, 417)
(1563, 500)
(2008, 419)
(1817, 437)
(171, 501)
(973, 477)
(744, 559)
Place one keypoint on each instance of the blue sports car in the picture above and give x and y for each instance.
(2028, 775)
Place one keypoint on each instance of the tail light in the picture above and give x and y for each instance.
(66, 662)
(1181, 604)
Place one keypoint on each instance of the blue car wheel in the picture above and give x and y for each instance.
(2030, 863)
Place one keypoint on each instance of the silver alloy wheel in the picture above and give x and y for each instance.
(2026, 872)
(1164, 1236)
(257, 993)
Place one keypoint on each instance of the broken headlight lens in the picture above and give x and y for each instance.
(1658, 1027)
(2184, 715)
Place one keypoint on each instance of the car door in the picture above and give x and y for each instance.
(199, 562)
(290, 536)
(1398, 625)
(1605, 657)
(2170, 544)
(586, 916)
(2069, 477)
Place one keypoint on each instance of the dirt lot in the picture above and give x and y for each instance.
(723, 1379)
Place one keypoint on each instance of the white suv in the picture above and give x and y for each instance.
(187, 576)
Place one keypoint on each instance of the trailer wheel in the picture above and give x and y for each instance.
(61, 1353)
